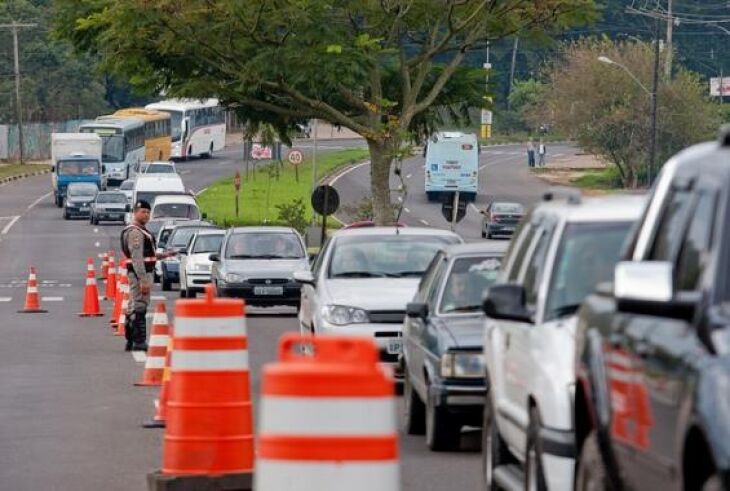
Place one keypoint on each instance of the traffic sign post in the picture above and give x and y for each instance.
(237, 185)
(454, 209)
(295, 158)
(325, 201)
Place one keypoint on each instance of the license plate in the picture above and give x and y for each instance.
(268, 290)
(395, 346)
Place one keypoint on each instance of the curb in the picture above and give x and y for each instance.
(8, 179)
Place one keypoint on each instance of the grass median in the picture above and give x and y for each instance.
(269, 188)
(10, 170)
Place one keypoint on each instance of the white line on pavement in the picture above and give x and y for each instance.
(184, 172)
(473, 207)
(406, 210)
(52, 299)
(139, 356)
(201, 191)
(409, 176)
(424, 222)
(6, 229)
(5, 299)
(39, 200)
(337, 177)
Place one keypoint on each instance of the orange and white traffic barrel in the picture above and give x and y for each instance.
(110, 290)
(156, 348)
(328, 421)
(209, 426)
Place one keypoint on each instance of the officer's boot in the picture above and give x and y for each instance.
(128, 331)
(139, 333)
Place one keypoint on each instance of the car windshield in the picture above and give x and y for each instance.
(111, 198)
(207, 243)
(159, 169)
(508, 208)
(378, 256)
(181, 236)
(82, 190)
(586, 257)
(264, 245)
(164, 235)
(176, 210)
(468, 279)
(77, 167)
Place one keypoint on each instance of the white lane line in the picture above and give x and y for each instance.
(7, 227)
(139, 356)
(51, 299)
(337, 177)
(201, 191)
(409, 176)
(423, 222)
(406, 210)
(184, 172)
(473, 207)
(32, 205)
(400, 198)
(5, 299)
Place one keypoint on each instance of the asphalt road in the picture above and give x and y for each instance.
(69, 414)
(503, 175)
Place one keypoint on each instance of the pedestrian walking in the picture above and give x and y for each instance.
(138, 244)
(530, 153)
(541, 152)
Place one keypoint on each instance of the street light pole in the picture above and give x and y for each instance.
(654, 89)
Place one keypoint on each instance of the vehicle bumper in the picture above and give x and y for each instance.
(463, 399)
(195, 282)
(78, 212)
(496, 229)
(110, 216)
(385, 336)
(291, 294)
(558, 471)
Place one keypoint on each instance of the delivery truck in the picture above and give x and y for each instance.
(76, 157)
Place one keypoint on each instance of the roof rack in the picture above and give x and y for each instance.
(572, 196)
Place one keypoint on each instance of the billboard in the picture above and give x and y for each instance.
(717, 88)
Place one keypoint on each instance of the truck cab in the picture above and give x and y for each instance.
(653, 346)
(76, 158)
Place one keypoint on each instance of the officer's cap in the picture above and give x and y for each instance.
(142, 204)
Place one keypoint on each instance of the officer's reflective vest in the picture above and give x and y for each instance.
(148, 248)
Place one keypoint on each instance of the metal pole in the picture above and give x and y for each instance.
(314, 163)
(655, 86)
(668, 60)
(512, 71)
(455, 210)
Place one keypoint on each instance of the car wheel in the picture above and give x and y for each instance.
(713, 483)
(65, 215)
(484, 235)
(415, 411)
(166, 284)
(534, 476)
(442, 433)
(91, 220)
(591, 475)
(494, 450)
(192, 294)
(155, 277)
(183, 293)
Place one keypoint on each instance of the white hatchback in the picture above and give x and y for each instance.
(362, 280)
(195, 263)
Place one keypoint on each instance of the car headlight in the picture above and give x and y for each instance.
(462, 365)
(200, 267)
(341, 315)
(234, 278)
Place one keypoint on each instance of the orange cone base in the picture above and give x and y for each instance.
(154, 423)
(32, 311)
(157, 481)
(97, 314)
(149, 383)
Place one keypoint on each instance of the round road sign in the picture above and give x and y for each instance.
(295, 157)
(325, 200)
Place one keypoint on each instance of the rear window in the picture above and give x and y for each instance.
(159, 169)
(111, 198)
(468, 279)
(508, 208)
(176, 210)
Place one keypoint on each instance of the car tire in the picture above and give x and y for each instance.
(442, 433)
(183, 293)
(484, 235)
(59, 201)
(166, 284)
(65, 215)
(534, 475)
(415, 410)
(494, 450)
(155, 277)
(713, 483)
(192, 294)
(591, 474)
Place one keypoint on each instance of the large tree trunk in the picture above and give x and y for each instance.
(381, 160)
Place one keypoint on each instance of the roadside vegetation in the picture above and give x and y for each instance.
(271, 194)
(13, 169)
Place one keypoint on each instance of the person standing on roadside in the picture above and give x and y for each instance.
(541, 152)
(138, 245)
(530, 153)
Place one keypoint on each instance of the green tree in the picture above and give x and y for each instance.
(386, 69)
(608, 112)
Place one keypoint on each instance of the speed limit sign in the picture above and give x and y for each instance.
(295, 157)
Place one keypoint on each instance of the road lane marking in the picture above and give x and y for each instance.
(139, 356)
(185, 172)
(52, 299)
(5, 299)
(423, 222)
(32, 205)
(7, 227)
(473, 207)
(347, 171)
(406, 210)
(201, 191)
(409, 176)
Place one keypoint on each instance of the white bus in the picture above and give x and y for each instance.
(198, 126)
(452, 164)
(122, 145)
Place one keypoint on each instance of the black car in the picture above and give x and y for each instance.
(178, 240)
(501, 218)
(442, 336)
(109, 206)
(652, 395)
(80, 197)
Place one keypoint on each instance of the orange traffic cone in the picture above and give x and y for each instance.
(158, 420)
(156, 349)
(122, 286)
(91, 293)
(104, 266)
(111, 280)
(209, 428)
(122, 321)
(32, 300)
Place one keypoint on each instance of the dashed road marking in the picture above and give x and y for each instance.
(139, 356)
(5, 299)
(52, 299)
(423, 222)
(409, 176)
(32, 205)
(406, 210)
(201, 191)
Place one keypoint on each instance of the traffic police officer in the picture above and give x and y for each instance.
(138, 244)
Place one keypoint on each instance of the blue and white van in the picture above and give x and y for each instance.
(452, 164)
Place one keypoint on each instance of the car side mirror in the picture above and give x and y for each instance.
(506, 302)
(305, 277)
(312, 257)
(417, 310)
(647, 287)
(103, 169)
(53, 168)
(215, 257)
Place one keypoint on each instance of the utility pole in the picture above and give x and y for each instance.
(654, 89)
(512, 71)
(487, 113)
(670, 27)
(14, 26)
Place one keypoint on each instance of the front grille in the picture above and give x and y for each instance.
(269, 281)
(387, 316)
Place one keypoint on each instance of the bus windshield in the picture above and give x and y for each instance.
(112, 149)
(175, 124)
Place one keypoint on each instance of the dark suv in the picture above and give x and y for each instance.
(652, 396)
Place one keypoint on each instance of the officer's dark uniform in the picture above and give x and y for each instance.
(138, 244)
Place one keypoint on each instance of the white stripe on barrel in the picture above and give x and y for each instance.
(90, 281)
(326, 476)
(155, 362)
(159, 318)
(210, 327)
(158, 340)
(209, 360)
